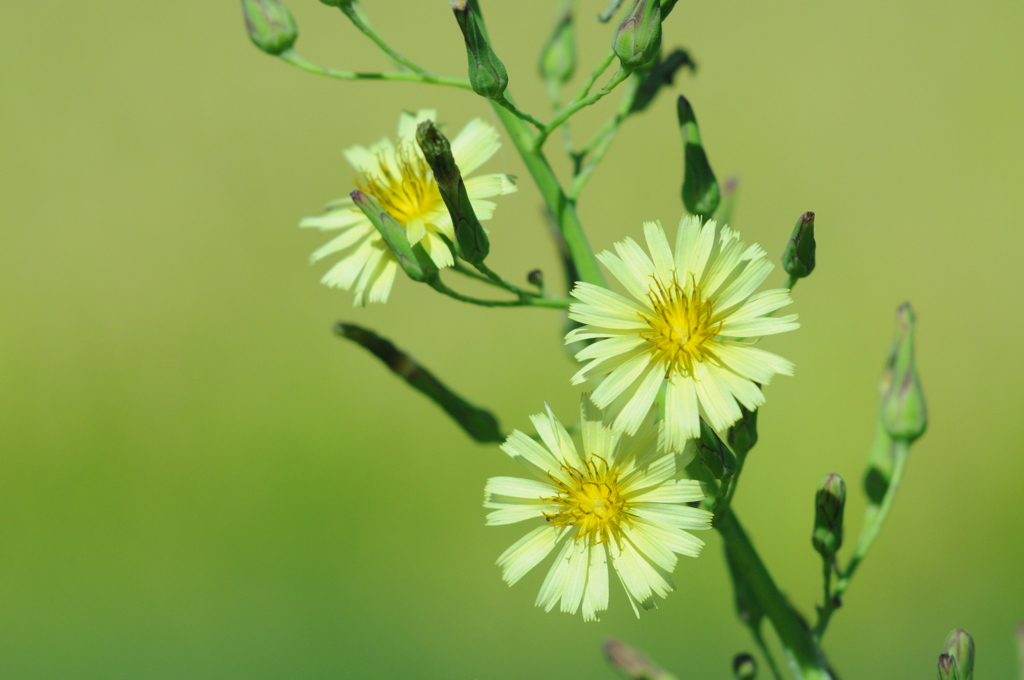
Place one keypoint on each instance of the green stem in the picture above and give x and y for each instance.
(767, 653)
(355, 13)
(563, 210)
(826, 572)
(554, 92)
(539, 124)
(791, 281)
(500, 282)
(800, 646)
(466, 271)
(578, 103)
(873, 521)
(600, 143)
(547, 302)
(295, 59)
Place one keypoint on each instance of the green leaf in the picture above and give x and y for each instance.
(657, 76)
(701, 194)
(478, 423)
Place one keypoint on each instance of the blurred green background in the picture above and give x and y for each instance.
(198, 481)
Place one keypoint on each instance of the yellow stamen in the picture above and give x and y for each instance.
(681, 326)
(589, 499)
(406, 191)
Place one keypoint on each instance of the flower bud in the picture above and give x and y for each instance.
(632, 662)
(470, 237)
(558, 58)
(394, 237)
(638, 39)
(829, 502)
(270, 25)
(487, 75)
(798, 258)
(947, 668)
(744, 667)
(714, 453)
(536, 278)
(723, 214)
(903, 408)
(959, 648)
(742, 436)
(701, 194)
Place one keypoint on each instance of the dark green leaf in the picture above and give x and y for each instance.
(480, 424)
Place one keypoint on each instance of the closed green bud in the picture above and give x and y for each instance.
(904, 413)
(742, 436)
(470, 237)
(638, 38)
(416, 265)
(714, 453)
(558, 58)
(959, 648)
(744, 667)
(632, 662)
(723, 214)
(829, 502)
(947, 668)
(438, 152)
(270, 25)
(701, 194)
(487, 75)
(798, 259)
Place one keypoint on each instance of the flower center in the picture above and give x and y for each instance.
(680, 326)
(405, 191)
(589, 499)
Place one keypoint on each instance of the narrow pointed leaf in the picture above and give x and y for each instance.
(659, 75)
(478, 423)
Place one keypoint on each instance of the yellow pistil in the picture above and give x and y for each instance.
(589, 499)
(405, 192)
(681, 326)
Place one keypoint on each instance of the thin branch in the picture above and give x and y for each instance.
(295, 59)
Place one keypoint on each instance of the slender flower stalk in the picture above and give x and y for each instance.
(615, 500)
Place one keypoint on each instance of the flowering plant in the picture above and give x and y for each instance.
(672, 362)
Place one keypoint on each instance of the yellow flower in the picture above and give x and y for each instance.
(618, 501)
(397, 176)
(689, 328)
